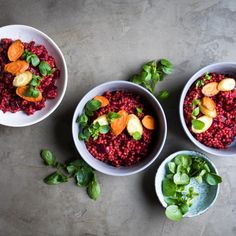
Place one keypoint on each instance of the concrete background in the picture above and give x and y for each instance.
(102, 41)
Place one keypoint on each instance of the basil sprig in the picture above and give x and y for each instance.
(45, 68)
(179, 172)
(31, 58)
(83, 174)
(32, 91)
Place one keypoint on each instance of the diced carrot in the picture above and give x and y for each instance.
(15, 50)
(148, 122)
(119, 124)
(16, 67)
(20, 91)
(104, 101)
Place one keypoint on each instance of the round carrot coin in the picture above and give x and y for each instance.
(149, 122)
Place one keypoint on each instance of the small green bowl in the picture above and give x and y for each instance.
(207, 193)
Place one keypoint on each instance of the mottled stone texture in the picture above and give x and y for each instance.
(104, 41)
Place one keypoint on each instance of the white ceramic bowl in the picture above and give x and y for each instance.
(224, 68)
(27, 34)
(156, 109)
(207, 194)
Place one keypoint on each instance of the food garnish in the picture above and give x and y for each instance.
(15, 50)
(178, 195)
(16, 67)
(34, 95)
(83, 174)
(104, 101)
(31, 58)
(163, 94)
(210, 89)
(102, 120)
(22, 79)
(226, 84)
(148, 122)
(134, 125)
(119, 124)
(201, 124)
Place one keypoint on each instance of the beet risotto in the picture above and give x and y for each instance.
(27, 76)
(210, 110)
(117, 128)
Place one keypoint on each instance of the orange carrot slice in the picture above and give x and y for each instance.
(148, 122)
(20, 91)
(15, 50)
(16, 67)
(104, 101)
(119, 124)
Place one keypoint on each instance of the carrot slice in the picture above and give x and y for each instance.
(15, 50)
(148, 122)
(119, 124)
(20, 91)
(16, 67)
(104, 101)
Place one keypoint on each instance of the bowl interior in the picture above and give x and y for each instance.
(155, 108)
(207, 193)
(27, 34)
(223, 68)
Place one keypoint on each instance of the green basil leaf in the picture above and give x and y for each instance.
(197, 124)
(76, 165)
(147, 68)
(168, 187)
(93, 189)
(82, 120)
(111, 116)
(172, 167)
(195, 102)
(184, 208)
(163, 94)
(84, 135)
(34, 60)
(93, 105)
(137, 135)
(136, 79)
(213, 179)
(184, 160)
(48, 157)
(170, 200)
(173, 213)
(56, 178)
(199, 179)
(207, 76)
(104, 129)
(84, 176)
(139, 110)
(35, 93)
(196, 111)
(181, 178)
(44, 68)
(167, 70)
(166, 63)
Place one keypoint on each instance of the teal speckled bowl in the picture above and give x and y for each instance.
(207, 193)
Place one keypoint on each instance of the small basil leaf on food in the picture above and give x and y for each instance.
(173, 213)
(213, 179)
(84, 135)
(111, 116)
(181, 178)
(28, 58)
(199, 83)
(207, 168)
(93, 189)
(48, 157)
(198, 124)
(163, 94)
(44, 68)
(137, 135)
(34, 60)
(56, 178)
(34, 82)
(207, 76)
(169, 176)
(172, 167)
(184, 160)
(82, 120)
(35, 93)
(196, 111)
(195, 102)
(184, 208)
(170, 200)
(84, 176)
(139, 110)
(88, 112)
(104, 129)
(93, 105)
(168, 187)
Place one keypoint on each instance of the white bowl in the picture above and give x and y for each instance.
(157, 146)
(27, 34)
(224, 68)
(207, 194)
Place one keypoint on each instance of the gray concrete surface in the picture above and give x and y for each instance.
(103, 41)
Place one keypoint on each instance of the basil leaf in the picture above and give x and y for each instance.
(167, 70)
(172, 167)
(35, 93)
(213, 179)
(173, 213)
(195, 102)
(56, 178)
(34, 82)
(82, 120)
(104, 129)
(111, 116)
(84, 176)
(199, 179)
(93, 189)
(74, 166)
(196, 111)
(184, 208)
(168, 187)
(166, 63)
(197, 124)
(137, 135)
(139, 111)
(207, 76)
(35, 60)
(170, 200)
(44, 68)
(84, 135)
(93, 105)
(184, 160)
(164, 94)
(48, 157)
(181, 178)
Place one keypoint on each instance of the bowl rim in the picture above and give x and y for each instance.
(107, 171)
(171, 157)
(190, 81)
(65, 78)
